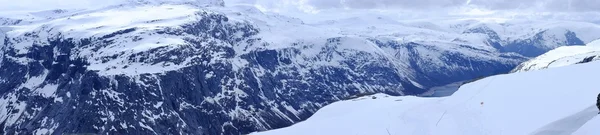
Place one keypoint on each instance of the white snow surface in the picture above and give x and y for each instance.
(561, 56)
(555, 101)
(589, 128)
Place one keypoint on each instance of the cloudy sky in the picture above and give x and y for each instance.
(51, 4)
(417, 5)
(427, 5)
(314, 6)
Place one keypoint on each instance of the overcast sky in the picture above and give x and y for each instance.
(321, 5)
(52, 4)
(539, 5)
(427, 5)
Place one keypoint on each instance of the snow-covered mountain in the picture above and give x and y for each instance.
(199, 67)
(553, 101)
(563, 56)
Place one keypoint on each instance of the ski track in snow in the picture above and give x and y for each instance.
(570, 124)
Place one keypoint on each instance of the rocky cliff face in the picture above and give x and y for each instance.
(190, 70)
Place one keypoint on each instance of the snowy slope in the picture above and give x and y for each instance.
(562, 56)
(557, 100)
(571, 124)
(589, 128)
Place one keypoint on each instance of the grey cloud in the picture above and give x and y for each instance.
(321, 4)
(26, 5)
(8, 5)
(408, 4)
(415, 5)
(536, 5)
(541, 5)
(577, 5)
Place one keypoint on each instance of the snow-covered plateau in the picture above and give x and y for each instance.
(204, 67)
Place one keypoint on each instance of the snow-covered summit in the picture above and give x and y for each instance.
(563, 56)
